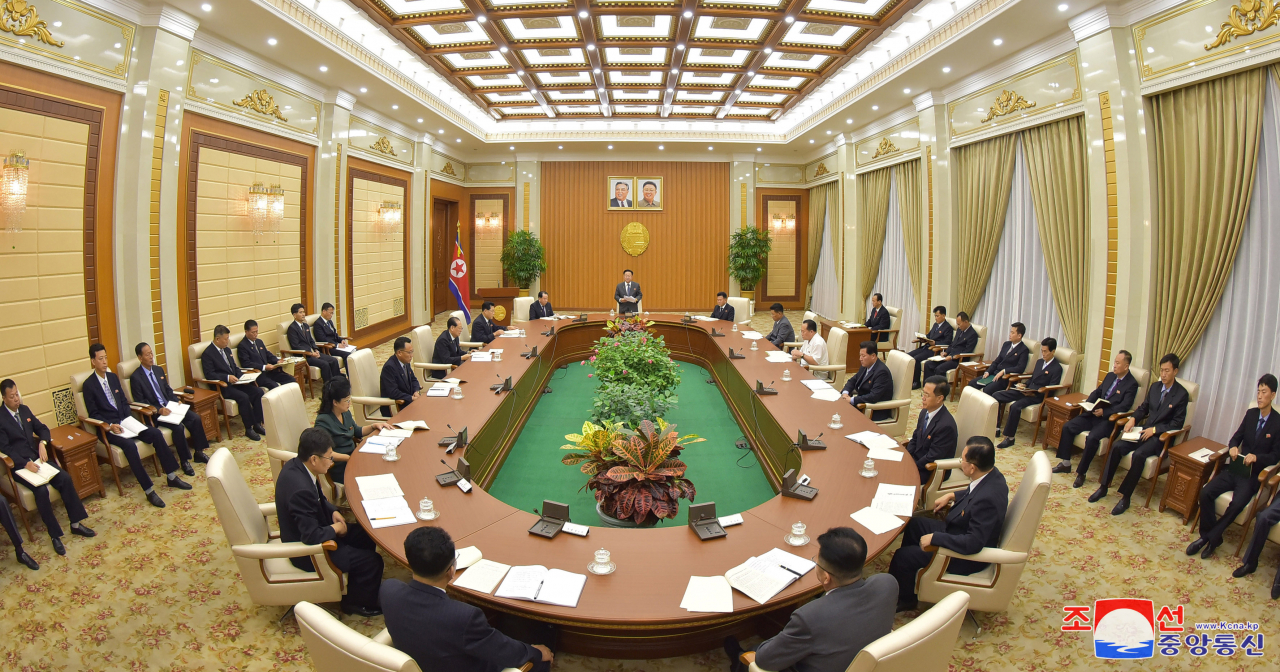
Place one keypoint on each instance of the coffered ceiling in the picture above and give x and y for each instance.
(744, 60)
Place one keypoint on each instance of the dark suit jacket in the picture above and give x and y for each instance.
(398, 382)
(96, 404)
(440, 633)
(325, 332)
(724, 312)
(963, 342)
(1012, 359)
(447, 351)
(871, 385)
(941, 333)
(144, 393)
(975, 521)
(1044, 376)
(879, 318)
(215, 367)
(621, 291)
(1121, 399)
(933, 443)
(482, 330)
(300, 337)
(782, 332)
(302, 510)
(826, 634)
(626, 203)
(255, 355)
(1265, 444)
(1171, 413)
(21, 442)
(538, 311)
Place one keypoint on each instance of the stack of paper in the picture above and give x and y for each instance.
(515, 333)
(131, 427)
(388, 512)
(1135, 435)
(247, 378)
(827, 394)
(752, 335)
(898, 500)
(935, 358)
(708, 594)
(452, 381)
(878, 522)
(536, 583)
(815, 384)
(395, 433)
(38, 478)
(874, 440)
(345, 348)
(763, 577)
(482, 577)
(440, 390)
(465, 557)
(413, 424)
(1203, 454)
(704, 318)
(379, 487)
(921, 336)
(777, 357)
(378, 444)
(479, 356)
(177, 411)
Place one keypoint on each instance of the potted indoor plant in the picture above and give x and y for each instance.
(523, 259)
(749, 257)
(646, 482)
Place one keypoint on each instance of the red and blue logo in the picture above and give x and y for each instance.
(1125, 628)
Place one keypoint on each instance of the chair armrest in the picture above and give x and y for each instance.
(8, 462)
(375, 401)
(215, 383)
(293, 352)
(1046, 389)
(1117, 417)
(793, 344)
(747, 657)
(324, 347)
(268, 509)
(432, 366)
(291, 549)
(945, 465)
(1016, 377)
(882, 405)
(1169, 435)
(470, 344)
(143, 409)
(527, 667)
(1266, 474)
(383, 638)
(968, 355)
(826, 367)
(877, 332)
(997, 556)
(94, 422)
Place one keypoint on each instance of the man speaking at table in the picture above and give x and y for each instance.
(627, 294)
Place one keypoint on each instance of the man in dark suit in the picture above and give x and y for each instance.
(1119, 389)
(26, 441)
(1047, 373)
(105, 402)
(219, 366)
(621, 193)
(872, 383)
(11, 527)
(254, 354)
(150, 386)
(398, 381)
(483, 330)
(879, 319)
(306, 516)
(935, 435)
(325, 331)
(963, 342)
(1256, 446)
(627, 294)
(974, 522)
(300, 340)
(825, 635)
(541, 308)
(447, 349)
(722, 311)
(1164, 410)
(441, 633)
(939, 335)
(1012, 360)
(782, 331)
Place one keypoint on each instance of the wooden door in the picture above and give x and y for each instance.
(444, 227)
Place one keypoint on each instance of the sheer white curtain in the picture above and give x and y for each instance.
(826, 289)
(1018, 290)
(894, 279)
(1240, 343)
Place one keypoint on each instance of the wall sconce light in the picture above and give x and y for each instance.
(781, 222)
(390, 217)
(266, 208)
(491, 220)
(13, 190)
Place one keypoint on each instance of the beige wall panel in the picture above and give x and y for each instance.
(782, 256)
(489, 244)
(377, 264)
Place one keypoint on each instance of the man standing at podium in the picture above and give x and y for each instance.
(627, 294)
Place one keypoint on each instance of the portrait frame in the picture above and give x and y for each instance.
(639, 192)
(611, 193)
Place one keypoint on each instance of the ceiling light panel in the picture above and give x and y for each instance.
(867, 9)
(651, 26)
(730, 57)
(562, 78)
(820, 34)
(572, 95)
(578, 109)
(463, 32)
(635, 55)
(623, 78)
(729, 28)
(700, 97)
(618, 94)
(423, 6)
(694, 109)
(778, 81)
(541, 28)
(476, 59)
(635, 109)
(767, 98)
(750, 3)
(796, 61)
(707, 78)
(565, 56)
(517, 3)
(756, 112)
(519, 97)
(487, 81)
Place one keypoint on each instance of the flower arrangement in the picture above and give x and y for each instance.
(629, 405)
(635, 475)
(640, 359)
(623, 324)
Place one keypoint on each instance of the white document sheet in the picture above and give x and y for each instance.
(759, 579)
(482, 577)
(37, 478)
(708, 594)
(815, 384)
(878, 453)
(479, 356)
(726, 521)
(778, 357)
(1203, 454)
(898, 500)
(874, 440)
(546, 586)
(923, 337)
(441, 389)
(752, 335)
(935, 358)
(396, 433)
(177, 411)
(789, 561)
(388, 512)
(345, 348)
(576, 529)
(379, 487)
(511, 334)
(704, 318)
(878, 522)
(246, 378)
(412, 425)
(465, 557)
(1135, 435)
(132, 427)
(829, 394)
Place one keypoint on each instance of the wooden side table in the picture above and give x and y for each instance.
(76, 451)
(966, 373)
(205, 402)
(1186, 476)
(1059, 410)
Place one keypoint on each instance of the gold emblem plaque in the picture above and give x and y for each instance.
(635, 238)
(499, 313)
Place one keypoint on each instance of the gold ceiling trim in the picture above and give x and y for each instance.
(262, 102)
(448, 169)
(22, 20)
(1245, 18)
(1007, 103)
(384, 145)
(822, 170)
(885, 148)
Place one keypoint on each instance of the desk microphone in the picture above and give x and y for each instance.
(451, 441)
(770, 384)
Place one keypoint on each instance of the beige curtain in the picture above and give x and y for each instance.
(912, 220)
(1056, 167)
(983, 177)
(873, 192)
(1206, 147)
(821, 199)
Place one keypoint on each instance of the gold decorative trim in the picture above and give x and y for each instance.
(198, 57)
(743, 208)
(1113, 232)
(526, 206)
(635, 238)
(1077, 92)
(1245, 18)
(1007, 103)
(448, 169)
(337, 229)
(262, 102)
(822, 170)
(885, 148)
(22, 20)
(157, 160)
(384, 145)
(928, 163)
(41, 47)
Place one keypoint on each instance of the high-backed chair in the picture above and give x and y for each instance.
(520, 310)
(1069, 360)
(1156, 465)
(424, 345)
(282, 334)
(1245, 519)
(366, 402)
(1140, 376)
(895, 319)
(976, 416)
(976, 356)
(107, 453)
(901, 366)
(743, 308)
(124, 370)
(285, 415)
(991, 589)
(1274, 535)
(228, 408)
(23, 497)
(837, 346)
(924, 644)
(262, 558)
(463, 338)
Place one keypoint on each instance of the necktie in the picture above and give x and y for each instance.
(407, 377)
(111, 398)
(1113, 386)
(17, 419)
(155, 385)
(224, 357)
(1262, 420)
(923, 423)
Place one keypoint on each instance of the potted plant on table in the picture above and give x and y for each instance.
(523, 259)
(642, 481)
(749, 257)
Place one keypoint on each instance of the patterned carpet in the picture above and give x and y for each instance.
(158, 589)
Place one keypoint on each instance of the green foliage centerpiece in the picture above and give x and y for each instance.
(636, 373)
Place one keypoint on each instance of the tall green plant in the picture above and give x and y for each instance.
(749, 256)
(636, 358)
(523, 258)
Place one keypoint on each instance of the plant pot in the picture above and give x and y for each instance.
(748, 294)
(524, 291)
(610, 521)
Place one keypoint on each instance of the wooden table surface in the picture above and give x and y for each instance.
(654, 565)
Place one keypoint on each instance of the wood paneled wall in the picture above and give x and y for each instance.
(686, 262)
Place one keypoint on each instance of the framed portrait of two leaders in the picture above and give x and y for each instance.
(635, 193)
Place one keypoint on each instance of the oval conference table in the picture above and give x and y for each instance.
(635, 612)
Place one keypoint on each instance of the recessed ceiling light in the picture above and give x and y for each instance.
(875, 107)
(679, 47)
(481, 18)
(674, 70)
(671, 90)
(848, 121)
(709, 148)
(768, 50)
(759, 149)
(610, 146)
(560, 147)
(906, 90)
(533, 90)
(214, 80)
(324, 68)
(1062, 7)
(271, 41)
(419, 121)
(946, 69)
(751, 73)
(442, 131)
(597, 71)
(997, 41)
(583, 14)
(520, 73)
(364, 90)
(502, 49)
(512, 148)
(395, 107)
(811, 141)
(688, 14)
(459, 140)
(790, 19)
(207, 7)
(828, 132)
(591, 47)
(660, 147)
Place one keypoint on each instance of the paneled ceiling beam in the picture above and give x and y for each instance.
(499, 40)
(771, 40)
(587, 28)
(458, 49)
(683, 30)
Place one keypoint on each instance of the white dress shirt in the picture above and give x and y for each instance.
(816, 348)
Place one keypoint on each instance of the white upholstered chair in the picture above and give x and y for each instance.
(463, 338)
(837, 346)
(1140, 376)
(895, 320)
(282, 336)
(285, 415)
(228, 408)
(23, 497)
(520, 310)
(1156, 465)
(424, 345)
(263, 560)
(976, 416)
(900, 366)
(107, 453)
(743, 308)
(366, 402)
(991, 589)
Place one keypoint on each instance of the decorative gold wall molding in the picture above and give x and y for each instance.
(448, 169)
(822, 170)
(262, 102)
(212, 81)
(1113, 233)
(337, 229)
(1055, 83)
(526, 206)
(1007, 103)
(743, 208)
(22, 20)
(98, 42)
(885, 148)
(384, 145)
(157, 158)
(1245, 18)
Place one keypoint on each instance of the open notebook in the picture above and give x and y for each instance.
(539, 584)
(761, 578)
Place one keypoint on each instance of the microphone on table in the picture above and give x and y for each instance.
(771, 383)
